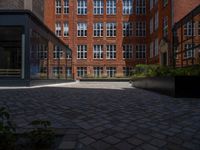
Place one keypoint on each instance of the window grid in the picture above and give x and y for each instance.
(151, 4)
(127, 7)
(57, 70)
(82, 51)
(141, 29)
(165, 26)
(140, 7)
(58, 53)
(111, 7)
(188, 29)
(98, 52)
(82, 7)
(65, 29)
(189, 51)
(98, 29)
(42, 51)
(58, 7)
(111, 29)
(98, 72)
(111, 52)
(127, 29)
(58, 29)
(82, 29)
(98, 7)
(81, 71)
(111, 71)
(127, 71)
(66, 6)
(127, 51)
(69, 72)
(141, 51)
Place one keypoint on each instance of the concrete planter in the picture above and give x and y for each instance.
(179, 86)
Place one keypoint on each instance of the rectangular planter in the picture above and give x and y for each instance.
(179, 86)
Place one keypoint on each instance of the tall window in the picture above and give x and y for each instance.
(127, 51)
(151, 26)
(127, 7)
(189, 29)
(111, 52)
(140, 28)
(98, 72)
(151, 49)
(111, 7)
(151, 4)
(140, 7)
(57, 53)
(127, 71)
(189, 51)
(81, 71)
(98, 51)
(156, 21)
(111, 71)
(58, 6)
(69, 72)
(165, 26)
(156, 47)
(199, 28)
(141, 51)
(98, 29)
(42, 51)
(66, 6)
(65, 29)
(128, 29)
(165, 2)
(98, 7)
(82, 51)
(57, 71)
(82, 7)
(82, 29)
(58, 29)
(111, 29)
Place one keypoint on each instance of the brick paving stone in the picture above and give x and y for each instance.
(144, 137)
(87, 140)
(135, 141)
(111, 140)
(100, 145)
(124, 146)
(67, 145)
(158, 143)
(149, 147)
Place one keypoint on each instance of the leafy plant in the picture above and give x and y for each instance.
(42, 135)
(7, 131)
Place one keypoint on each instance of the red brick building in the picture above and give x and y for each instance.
(108, 37)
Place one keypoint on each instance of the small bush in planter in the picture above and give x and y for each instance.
(42, 136)
(7, 131)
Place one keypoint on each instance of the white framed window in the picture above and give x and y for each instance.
(110, 29)
(111, 52)
(57, 71)
(127, 7)
(98, 72)
(81, 71)
(189, 29)
(82, 51)
(66, 7)
(82, 7)
(98, 29)
(151, 49)
(127, 51)
(42, 51)
(58, 29)
(140, 7)
(156, 21)
(141, 29)
(165, 2)
(98, 52)
(140, 51)
(65, 29)
(98, 7)
(156, 47)
(58, 7)
(189, 50)
(69, 72)
(111, 7)
(151, 4)
(127, 71)
(127, 29)
(57, 53)
(111, 71)
(165, 26)
(151, 26)
(82, 29)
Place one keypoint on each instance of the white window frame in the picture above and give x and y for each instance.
(82, 29)
(81, 71)
(111, 51)
(111, 72)
(98, 72)
(81, 51)
(98, 7)
(65, 29)
(188, 29)
(165, 26)
(140, 7)
(58, 7)
(69, 72)
(42, 51)
(58, 52)
(140, 51)
(66, 7)
(127, 51)
(58, 29)
(111, 29)
(127, 29)
(98, 51)
(127, 7)
(140, 29)
(98, 29)
(57, 71)
(111, 7)
(189, 52)
(82, 7)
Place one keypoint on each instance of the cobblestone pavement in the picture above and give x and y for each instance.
(109, 116)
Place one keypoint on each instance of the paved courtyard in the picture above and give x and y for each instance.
(109, 116)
